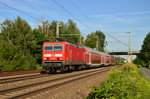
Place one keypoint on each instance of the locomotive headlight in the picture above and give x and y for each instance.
(58, 55)
(59, 58)
(47, 55)
(45, 58)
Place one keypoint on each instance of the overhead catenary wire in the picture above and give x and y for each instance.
(79, 9)
(114, 46)
(69, 13)
(41, 12)
(96, 24)
(64, 10)
(37, 10)
(17, 10)
(82, 12)
(117, 40)
(3, 15)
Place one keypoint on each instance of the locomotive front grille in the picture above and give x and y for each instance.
(48, 64)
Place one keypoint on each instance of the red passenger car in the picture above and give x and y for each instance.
(93, 57)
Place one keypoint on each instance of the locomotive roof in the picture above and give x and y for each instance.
(70, 43)
(56, 42)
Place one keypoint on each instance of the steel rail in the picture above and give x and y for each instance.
(29, 94)
(5, 91)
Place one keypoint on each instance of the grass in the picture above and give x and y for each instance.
(127, 83)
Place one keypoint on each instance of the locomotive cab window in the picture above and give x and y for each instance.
(53, 47)
(57, 47)
(48, 47)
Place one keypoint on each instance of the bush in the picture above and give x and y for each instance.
(39, 67)
(127, 83)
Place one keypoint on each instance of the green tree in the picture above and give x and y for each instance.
(63, 31)
(73, 32)
(70, 32)
(119, 60)
(67, 32)
(95, 40)
(101, 40)
(91, 40)
(138, 61)
(48, 30)
(20, 45)
(37, 50)
(17, 42)
(144, 55)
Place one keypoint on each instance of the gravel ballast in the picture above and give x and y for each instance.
(76, 90)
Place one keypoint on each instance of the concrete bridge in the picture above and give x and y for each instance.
(123, 52)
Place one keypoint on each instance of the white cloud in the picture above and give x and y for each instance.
(135, 13)
(93, 25)
(82, 28)
(120, 14)
(33, 25)
(123, 17)
(9, 11)
(119, 19)
(26, 8)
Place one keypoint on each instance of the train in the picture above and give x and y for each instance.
(64, 56)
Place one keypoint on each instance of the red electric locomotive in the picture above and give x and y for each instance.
(68, 56)
(62, 56)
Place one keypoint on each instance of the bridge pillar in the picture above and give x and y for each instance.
(129, 58)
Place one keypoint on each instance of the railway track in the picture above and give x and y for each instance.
(20, 78)
(35, 88)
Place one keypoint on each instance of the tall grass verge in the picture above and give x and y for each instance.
(127, 83)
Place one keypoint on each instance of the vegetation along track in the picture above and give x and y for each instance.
(14, 79)
(35, 88)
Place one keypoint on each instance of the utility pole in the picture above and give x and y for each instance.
(57, 29)
(97, 45)
(105, 44)
(80, 39)
(0, 29)
(47, 30)
(129, 48)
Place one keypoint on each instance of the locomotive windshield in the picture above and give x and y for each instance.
(53, 47)
(48, 47)
(57, 47)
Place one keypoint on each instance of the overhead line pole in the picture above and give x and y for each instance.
(57, 29)
(129, 48)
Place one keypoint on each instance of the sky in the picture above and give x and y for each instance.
(112, 17)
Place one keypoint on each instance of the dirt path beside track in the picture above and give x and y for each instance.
(146, 72)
